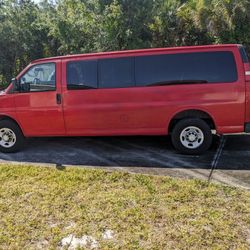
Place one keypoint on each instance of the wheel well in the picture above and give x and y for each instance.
(191, 114)
(3, 117)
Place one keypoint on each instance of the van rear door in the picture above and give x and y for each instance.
(246, 63)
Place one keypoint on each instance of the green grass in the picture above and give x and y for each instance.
(38, 205)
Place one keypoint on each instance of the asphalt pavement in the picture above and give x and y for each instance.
(227, 162)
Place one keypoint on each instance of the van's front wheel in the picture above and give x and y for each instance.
(191, 136)
(11, 137)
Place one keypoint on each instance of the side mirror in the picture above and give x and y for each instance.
(15, 83)
(20, 87)
(25, 87)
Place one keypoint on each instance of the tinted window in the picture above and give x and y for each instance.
(41, 77)
(243, 54)
(116, 73)
(82, 74)
(209, 67)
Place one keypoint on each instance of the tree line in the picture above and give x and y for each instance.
(30, 30)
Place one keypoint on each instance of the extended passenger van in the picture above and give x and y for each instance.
(186, 92)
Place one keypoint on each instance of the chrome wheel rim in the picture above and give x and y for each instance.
(191, 137)
(7, 138)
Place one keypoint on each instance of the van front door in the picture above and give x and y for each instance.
(38, 102)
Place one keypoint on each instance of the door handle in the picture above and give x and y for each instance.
(58, 98)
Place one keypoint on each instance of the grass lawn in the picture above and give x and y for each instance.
(40, 206)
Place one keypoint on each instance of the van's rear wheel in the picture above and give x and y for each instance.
(191, 136)
(11, 137)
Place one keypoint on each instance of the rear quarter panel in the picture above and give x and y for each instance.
(224, 102)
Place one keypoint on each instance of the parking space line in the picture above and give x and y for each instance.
(172, 159)
(188, 171)
(96, 156)
(217, 156)
(152, 159)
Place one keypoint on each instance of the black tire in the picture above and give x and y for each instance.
(19, 138)
(178, 141)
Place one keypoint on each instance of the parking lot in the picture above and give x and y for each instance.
(228, 161)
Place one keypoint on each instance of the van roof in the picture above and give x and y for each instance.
(122, 52)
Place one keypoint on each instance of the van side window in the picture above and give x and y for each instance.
(41, 77)
(210, 67)
(116, 73)
(82, 74)
(243, 54)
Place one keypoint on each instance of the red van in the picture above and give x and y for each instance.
(187, 92)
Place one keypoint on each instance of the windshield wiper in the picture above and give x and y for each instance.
(172, 82)
(79, 86)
